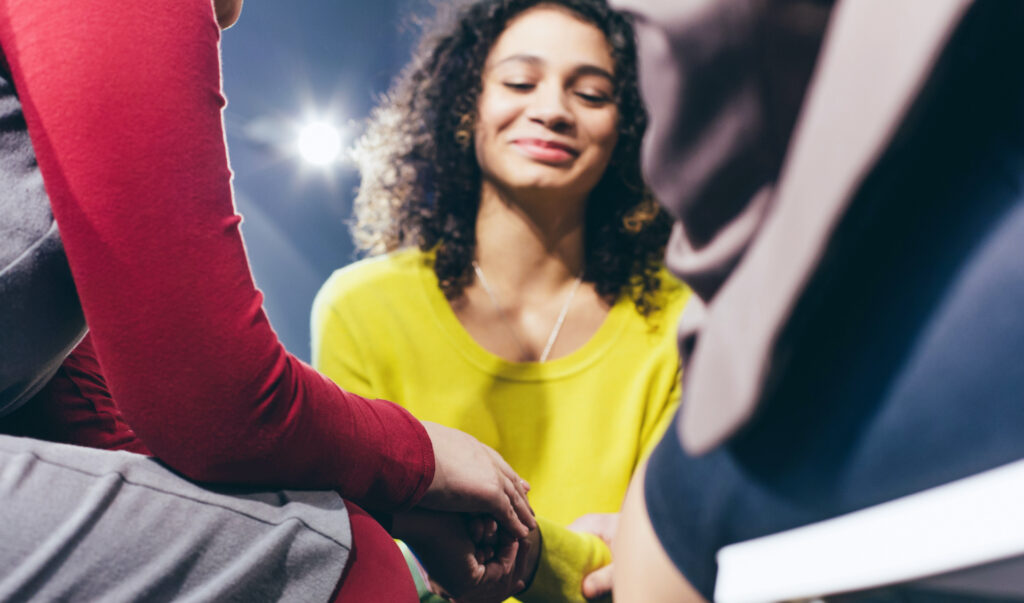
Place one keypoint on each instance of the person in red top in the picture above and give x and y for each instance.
(122, 106)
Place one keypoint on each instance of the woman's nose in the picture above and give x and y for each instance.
(548, 107)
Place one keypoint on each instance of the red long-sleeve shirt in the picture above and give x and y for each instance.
(123, 106)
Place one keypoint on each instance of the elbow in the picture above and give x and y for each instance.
(203, 455)
(213, 467)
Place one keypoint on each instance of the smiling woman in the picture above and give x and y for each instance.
(520, 296)
(546, 123)
(419, 159)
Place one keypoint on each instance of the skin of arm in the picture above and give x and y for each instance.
(643, 571)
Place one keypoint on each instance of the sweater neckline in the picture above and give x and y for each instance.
(577, 360)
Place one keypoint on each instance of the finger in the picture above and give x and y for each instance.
(477, 570)
(438, 590)
(519, 571)
(490, 529)
(503, 562)
(522, 510)
(598, 582)
(584, 523)
(483, 555)
(519, 488)
(521, 484)
(508, 512)
(477, 528)
(602, 525)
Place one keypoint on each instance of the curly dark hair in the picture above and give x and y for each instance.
(421, 181)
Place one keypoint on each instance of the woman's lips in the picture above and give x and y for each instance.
(545, 150)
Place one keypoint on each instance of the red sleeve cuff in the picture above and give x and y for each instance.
(407, 468)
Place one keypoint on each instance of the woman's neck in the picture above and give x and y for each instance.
(532, 247)
(526, 303)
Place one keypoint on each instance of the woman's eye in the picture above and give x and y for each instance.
(520, 86)
(594, 98)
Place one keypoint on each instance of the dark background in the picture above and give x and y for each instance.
(284, 63)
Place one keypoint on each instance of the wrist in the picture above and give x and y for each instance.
(536, 541)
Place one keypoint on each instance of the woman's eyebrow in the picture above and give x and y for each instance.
(589, 69)
(578, 71)
(531, 59)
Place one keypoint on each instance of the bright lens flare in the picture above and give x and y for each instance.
(320, 143)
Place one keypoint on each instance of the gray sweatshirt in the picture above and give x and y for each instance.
(40, 318)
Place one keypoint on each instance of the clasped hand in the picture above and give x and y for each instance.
(469, 557)
(479, 548)
(471, 477)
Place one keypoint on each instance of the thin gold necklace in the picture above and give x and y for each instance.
(508, 322)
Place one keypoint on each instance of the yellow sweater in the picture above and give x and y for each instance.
(575, 427)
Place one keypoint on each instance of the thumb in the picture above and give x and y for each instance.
(598, 582)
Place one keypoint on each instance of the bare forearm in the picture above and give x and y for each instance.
(643, 571)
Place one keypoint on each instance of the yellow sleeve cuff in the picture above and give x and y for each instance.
(566, 557)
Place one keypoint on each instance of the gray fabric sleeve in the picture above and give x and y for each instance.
(96, 525)
(41, 320)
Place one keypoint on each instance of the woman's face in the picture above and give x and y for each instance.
(546, 117)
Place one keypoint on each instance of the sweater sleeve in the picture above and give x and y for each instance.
(123, 105)
(566, 557)
(659, 417)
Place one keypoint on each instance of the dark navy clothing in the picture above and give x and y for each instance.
(907, 350)
(41, 319)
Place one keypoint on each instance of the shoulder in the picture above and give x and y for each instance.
(370, 281)
(672, 293)
(670, 296)
(378, 274)
(669, 300)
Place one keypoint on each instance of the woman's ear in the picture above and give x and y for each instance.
(227, 12)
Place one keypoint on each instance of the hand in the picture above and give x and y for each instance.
(443, 544)
(483, 532)
(473, 478)
(487, 538)
(603, 525)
